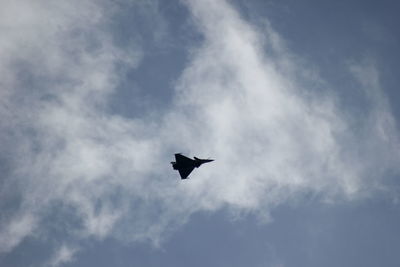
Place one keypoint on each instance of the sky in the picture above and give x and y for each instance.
(297, 102)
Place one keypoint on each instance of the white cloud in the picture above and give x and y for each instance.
(63, 255)
(58, 65)
(269, 136)
(16, 229)
(273, 139)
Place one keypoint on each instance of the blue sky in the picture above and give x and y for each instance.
(296, 100)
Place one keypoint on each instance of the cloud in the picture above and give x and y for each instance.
(275, 134)
(17, 228)
(63, 255)
(58, 66)
(242, 99)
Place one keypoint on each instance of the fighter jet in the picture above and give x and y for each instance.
(186, 165)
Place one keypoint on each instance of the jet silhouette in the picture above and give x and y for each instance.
(186, 165)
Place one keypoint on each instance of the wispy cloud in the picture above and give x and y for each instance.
(58, 67)
(242, 99)
(63, 255)
(273, 131)
(15, 230)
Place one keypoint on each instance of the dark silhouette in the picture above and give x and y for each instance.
(186, 165)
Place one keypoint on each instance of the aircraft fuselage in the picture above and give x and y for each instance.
(185, 165)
